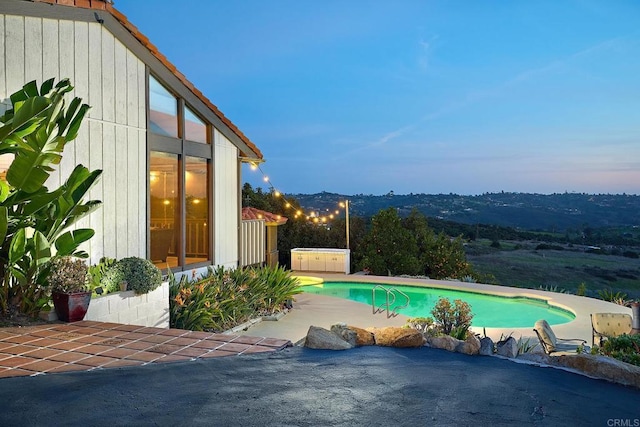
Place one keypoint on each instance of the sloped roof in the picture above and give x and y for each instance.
(107, 5)
(269, 218)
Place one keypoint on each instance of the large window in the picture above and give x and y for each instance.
(196, 181)
(194, 128)
(180, 188)
(164, 208)
(163, 110)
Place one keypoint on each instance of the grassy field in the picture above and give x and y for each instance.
(520, 264)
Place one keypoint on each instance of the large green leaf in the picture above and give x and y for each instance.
(46, 87)
(39, 201)
(68, 242)
(4, 222)
(80, 182)
(64, 86)
(31, 89)
(19, 275)
(41, 249)
(76, 122)
(29, 170)
(18, 246)
(4, 190)
(28, 112)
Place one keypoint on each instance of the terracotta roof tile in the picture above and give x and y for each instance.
(84, 3)
(269, 218)
(120, 17)
(108, 6)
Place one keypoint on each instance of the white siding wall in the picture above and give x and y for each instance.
(226, 216)
(107, 76)
(253, 242)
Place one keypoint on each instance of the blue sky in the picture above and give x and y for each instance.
(419, 96)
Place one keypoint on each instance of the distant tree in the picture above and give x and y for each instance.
(446, 259)
(389, 248)
(440, 256)
(416, 223)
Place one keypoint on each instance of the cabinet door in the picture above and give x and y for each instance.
(335, 262)
(295, 261)
(317, 262)
(304, 261)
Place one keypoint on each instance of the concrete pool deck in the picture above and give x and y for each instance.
(324, 311)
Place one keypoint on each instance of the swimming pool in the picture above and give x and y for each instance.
(490, 311)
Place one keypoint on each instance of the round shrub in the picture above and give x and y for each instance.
(140, 274)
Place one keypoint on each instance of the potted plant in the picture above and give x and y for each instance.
(96, 273)
(69, 291)
(135, 274)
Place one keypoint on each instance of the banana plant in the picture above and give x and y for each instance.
(34, 221)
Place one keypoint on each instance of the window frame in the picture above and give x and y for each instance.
(182, 148)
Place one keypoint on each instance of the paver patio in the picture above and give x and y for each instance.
(88, 345)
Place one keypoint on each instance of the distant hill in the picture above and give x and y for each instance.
(544, 212)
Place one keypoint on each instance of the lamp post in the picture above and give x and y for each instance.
(346, 209)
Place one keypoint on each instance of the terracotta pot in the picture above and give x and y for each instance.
(71, 307)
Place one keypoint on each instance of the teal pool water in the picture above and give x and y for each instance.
(489, 311)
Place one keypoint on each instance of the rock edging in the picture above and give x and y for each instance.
(343, 337)
(593, 366)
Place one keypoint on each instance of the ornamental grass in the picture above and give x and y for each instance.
(224, 298)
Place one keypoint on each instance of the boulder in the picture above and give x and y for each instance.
(363, 337)
(344, 332)
(398, 337)
(322, 339)
(469, 346)
(507, 348)
(486, 346)
(602, 367)
(444, 342)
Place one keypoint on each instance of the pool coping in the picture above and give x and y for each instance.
(581, 307)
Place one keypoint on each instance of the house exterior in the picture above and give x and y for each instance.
(171, 160)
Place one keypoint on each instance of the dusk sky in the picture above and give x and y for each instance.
(418, 96)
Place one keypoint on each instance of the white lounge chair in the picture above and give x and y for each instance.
(551, 344)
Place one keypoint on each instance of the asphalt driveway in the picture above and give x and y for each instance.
(369, 386)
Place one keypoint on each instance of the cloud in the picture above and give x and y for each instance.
(478, 96)
(606, 45)
(425, 51)
(383, 140)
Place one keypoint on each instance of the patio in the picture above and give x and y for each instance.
(88, 345)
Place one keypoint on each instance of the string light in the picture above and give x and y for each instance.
(311, 216)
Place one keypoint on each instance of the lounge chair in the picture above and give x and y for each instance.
(551, 344)
(607, 325)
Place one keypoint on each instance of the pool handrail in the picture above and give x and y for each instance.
(387, 304)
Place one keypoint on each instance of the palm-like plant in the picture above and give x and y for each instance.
(32, 218)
